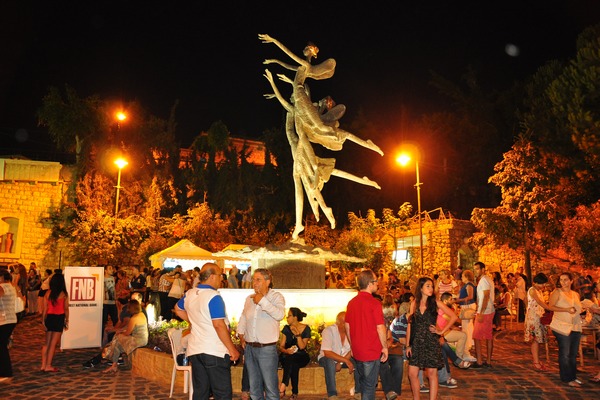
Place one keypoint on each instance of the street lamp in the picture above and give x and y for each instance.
(404, 159)
(121, 116)
(119, 163)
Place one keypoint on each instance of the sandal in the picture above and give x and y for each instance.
(281, 391)
(595, 380)
(51, 370)
(574, 384)
(540, 367)
(464, 365)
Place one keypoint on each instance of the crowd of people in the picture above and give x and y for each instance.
(434, 323)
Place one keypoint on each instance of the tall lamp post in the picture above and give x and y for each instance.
(119, 163)
(404, 159)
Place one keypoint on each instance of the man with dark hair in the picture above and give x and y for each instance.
(365, 327)
(209, 349)
(138, 281)
(109, 306)
(258, 330)
(484, 317)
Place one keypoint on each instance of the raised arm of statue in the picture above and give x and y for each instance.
(284, 65)
(277, 94)
(268, 39)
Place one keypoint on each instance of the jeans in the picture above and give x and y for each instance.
(245, 379)
(109, 310)
(211, 373)
(368, 372)
(568, 347)
(5, 364)
(328, 365)
(262, 370)
(391, 373)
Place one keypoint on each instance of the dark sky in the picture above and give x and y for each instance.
(209, 57)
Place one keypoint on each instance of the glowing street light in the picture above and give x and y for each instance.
(120, 163)
(121, 116)
(404, 159)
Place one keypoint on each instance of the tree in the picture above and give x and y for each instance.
(72, 120)
(575, 95)
(532, 206)
(581, 235)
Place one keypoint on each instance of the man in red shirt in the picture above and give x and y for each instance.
(366, 330)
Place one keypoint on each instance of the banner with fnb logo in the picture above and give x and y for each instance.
(85, 286)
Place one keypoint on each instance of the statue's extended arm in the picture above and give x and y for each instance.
(268, 39)
(284, 65)
(277, 94)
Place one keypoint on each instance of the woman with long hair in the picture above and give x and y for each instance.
(535, 332)
(566, 327)
(55, 317)
(127, 339)
(424, 350)
(467, 301)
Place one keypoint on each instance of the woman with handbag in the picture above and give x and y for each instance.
(467, 301)
(8, 321)
(566, 327)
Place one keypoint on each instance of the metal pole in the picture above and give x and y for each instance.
(418, 186)
(118, 187)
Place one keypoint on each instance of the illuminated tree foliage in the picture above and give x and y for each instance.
(550, 170)
(581, 235)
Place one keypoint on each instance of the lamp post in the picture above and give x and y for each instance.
(404, 159)
(119, 163)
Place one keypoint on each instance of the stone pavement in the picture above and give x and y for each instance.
(511, 377)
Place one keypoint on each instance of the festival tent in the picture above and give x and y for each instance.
(184, 253)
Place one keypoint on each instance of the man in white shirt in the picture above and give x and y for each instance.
(258, 330)
(484, 317)
(335, 353)
(209, 349)
(520, 293)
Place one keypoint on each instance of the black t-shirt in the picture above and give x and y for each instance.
(138, 282)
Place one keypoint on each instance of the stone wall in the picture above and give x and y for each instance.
(445, 245)
(29, 192)
(502, 259)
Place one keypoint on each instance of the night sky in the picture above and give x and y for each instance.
(210, 59)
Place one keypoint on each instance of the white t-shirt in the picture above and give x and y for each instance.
(485, 283)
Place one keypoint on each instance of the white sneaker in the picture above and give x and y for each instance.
(469, 358)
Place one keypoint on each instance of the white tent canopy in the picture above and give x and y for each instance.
(185, 253)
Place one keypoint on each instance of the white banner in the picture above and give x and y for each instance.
(85, 286)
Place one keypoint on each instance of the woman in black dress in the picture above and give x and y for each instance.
(293, 350)
(424, 350)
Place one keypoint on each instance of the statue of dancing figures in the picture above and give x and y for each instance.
(308, 123)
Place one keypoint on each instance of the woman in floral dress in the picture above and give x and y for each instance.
(535, 332)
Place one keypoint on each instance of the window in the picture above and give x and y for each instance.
(11, 232)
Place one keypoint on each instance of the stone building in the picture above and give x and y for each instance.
(445, 245)
(29, 192)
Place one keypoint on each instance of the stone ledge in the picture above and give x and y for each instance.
(157, 367)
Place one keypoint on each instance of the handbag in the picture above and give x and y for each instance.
(466, 313)
(561, 327)
(19, 302)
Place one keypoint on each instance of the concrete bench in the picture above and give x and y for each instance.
(157, 367)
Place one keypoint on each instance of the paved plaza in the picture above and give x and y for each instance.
(511, 377)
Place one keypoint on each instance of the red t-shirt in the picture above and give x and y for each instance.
(363, 314)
